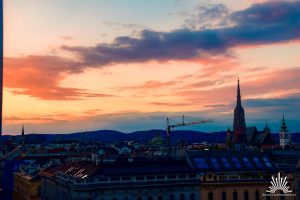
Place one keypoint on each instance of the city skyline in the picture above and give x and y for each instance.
(90, 65)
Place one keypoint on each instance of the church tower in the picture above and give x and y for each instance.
(239, 124)
(23, 135)
(285, 139)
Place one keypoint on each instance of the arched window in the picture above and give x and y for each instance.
(282, 197)
(139, 198)
(192, 196)
(181, 197)
(150, 198)
(235, 196)
(171, 197)
(246, 195)
(210, 196)
(160, 197)
(223, 195)
(257, 196)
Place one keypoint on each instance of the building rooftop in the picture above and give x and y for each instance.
(85, 169)
(217, 161)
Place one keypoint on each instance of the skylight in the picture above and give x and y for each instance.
(201, 163)
(257, 162)
(225, 162)
(237, 163)
(267, 162)
(247, 162)
(215, 163)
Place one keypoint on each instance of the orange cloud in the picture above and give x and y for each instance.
(40, 76)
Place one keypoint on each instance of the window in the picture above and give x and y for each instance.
(235, 196)
(267, 162)
(139, 178)
(150, 198)
(181, 176)
(225, 162)
(246, 195)
(215, 163)
(201, 163)
(192, 175)
(247, 162)
(282, 197)
(210, 196)
(172, 197)
(181, 197)
(257, 197)
(192, 196)
(114, 178)
(236, 163)
(150, 177)
(223, 195)
(171, 176)
(257, 162)
(126, 178)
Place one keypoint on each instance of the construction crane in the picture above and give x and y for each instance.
(183, 123)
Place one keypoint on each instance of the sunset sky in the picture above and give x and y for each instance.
(78, 65)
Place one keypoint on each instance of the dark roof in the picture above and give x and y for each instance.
(145, 167)
(218, 161)
(259, 138)
(122, 168)
(251, 132)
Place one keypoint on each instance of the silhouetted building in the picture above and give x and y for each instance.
(239, 124)
(243, 136)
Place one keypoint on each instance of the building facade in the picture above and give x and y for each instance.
(126, 180)
(27, 187)
(234, 175)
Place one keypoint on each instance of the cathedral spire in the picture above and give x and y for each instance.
(238, 97)
(23, 132)
(239, 124)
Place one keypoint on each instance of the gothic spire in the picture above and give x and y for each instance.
(283, 125)
(238, 98)
(239, 123)
(23, 132)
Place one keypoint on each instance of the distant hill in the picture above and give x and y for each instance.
(108, 136)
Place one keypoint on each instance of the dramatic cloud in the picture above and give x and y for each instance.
(39, 76)
(207, 16)
(264, 23)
